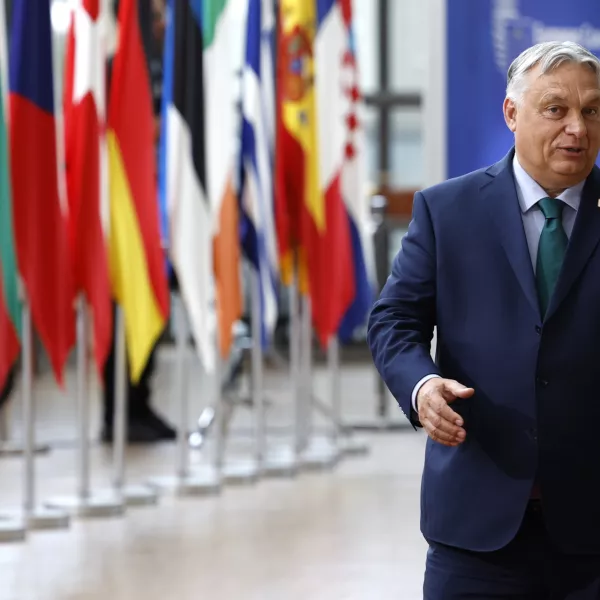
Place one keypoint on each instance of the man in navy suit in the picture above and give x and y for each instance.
(505, 262)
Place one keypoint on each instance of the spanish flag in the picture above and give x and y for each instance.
(137, 265)
(312, 225)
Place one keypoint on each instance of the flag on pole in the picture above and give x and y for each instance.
(341, 149)
(311, 178)
(87, 168)
(39, 211)
(188, 211)
(10, 318)
(221, 119)
(136, 259)
(258, 139)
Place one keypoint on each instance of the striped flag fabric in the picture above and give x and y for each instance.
(86, 163)
(259, 242)
(10, 318)
(39, 211)
(187, 209)
(340, 149)
(137, 266)
(311, 166)
(221, 122)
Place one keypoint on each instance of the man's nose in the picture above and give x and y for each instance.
(576, 125)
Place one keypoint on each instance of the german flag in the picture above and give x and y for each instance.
(138, 270)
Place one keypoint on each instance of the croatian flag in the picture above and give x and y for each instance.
(258, 137)
(341, 146)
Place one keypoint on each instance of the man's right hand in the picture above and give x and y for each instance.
(442, 424)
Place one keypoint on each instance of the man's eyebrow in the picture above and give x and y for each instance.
(552, 97)
(556, 97)
(595, 97)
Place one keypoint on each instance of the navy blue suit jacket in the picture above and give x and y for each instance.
(464, 267)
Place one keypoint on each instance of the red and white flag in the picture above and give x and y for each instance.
(86, 162)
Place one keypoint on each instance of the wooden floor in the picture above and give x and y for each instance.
(347, 534)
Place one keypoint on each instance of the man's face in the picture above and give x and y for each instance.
(557, 125)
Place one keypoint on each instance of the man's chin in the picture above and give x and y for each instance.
(571, 168)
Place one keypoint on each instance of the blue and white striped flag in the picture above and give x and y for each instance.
(257, 155)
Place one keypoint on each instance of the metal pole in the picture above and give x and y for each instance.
(384, 110)
(34, 517)
(284, 462)
(333, 360)
(28, 416)
(306, 370)
(130, 495)
(84, 503)
(183, 482)
(258, 394)
(120, 409)
(182, 393)
(82, 402)
(220, 422)
(295, 368)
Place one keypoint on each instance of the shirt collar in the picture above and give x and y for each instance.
(530, 192)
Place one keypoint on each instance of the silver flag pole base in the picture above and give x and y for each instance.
(92, 506)
(137, 495)
(47, 518)
(351, 446)
(241, 472)
(320, 456)
(280, 463)
(17, 449)
(193, 484)
(12, 528)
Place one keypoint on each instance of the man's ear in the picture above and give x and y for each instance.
(510, 114)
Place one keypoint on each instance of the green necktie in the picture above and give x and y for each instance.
(551, 250)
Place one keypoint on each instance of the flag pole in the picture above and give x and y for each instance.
(258, 393)
(85, 503)
(35, 517)
(8, 446)
(317, 452)
(295, 368)
(183, 482)
(248, 470)
(129, 494)
(333, 364)
(284, 461)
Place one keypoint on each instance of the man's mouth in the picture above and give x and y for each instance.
(572, 149)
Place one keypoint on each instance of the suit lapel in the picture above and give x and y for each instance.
(501, 200)
(583, 241)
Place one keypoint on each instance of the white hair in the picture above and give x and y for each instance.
(549, 56)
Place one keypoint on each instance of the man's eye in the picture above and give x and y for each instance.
(591, 112)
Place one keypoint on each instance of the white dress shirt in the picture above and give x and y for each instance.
(529, 193)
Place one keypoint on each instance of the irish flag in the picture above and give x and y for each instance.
(9, 300)
(137, 264)
(221, 122)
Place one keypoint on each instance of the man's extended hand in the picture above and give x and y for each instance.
(442, 424)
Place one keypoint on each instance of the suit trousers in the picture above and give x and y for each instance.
(530, 567)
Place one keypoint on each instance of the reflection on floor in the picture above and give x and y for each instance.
(348, 534)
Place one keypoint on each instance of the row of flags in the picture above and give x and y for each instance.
(278, 181)
(296, 203)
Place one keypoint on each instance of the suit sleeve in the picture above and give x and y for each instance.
(402, 320)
